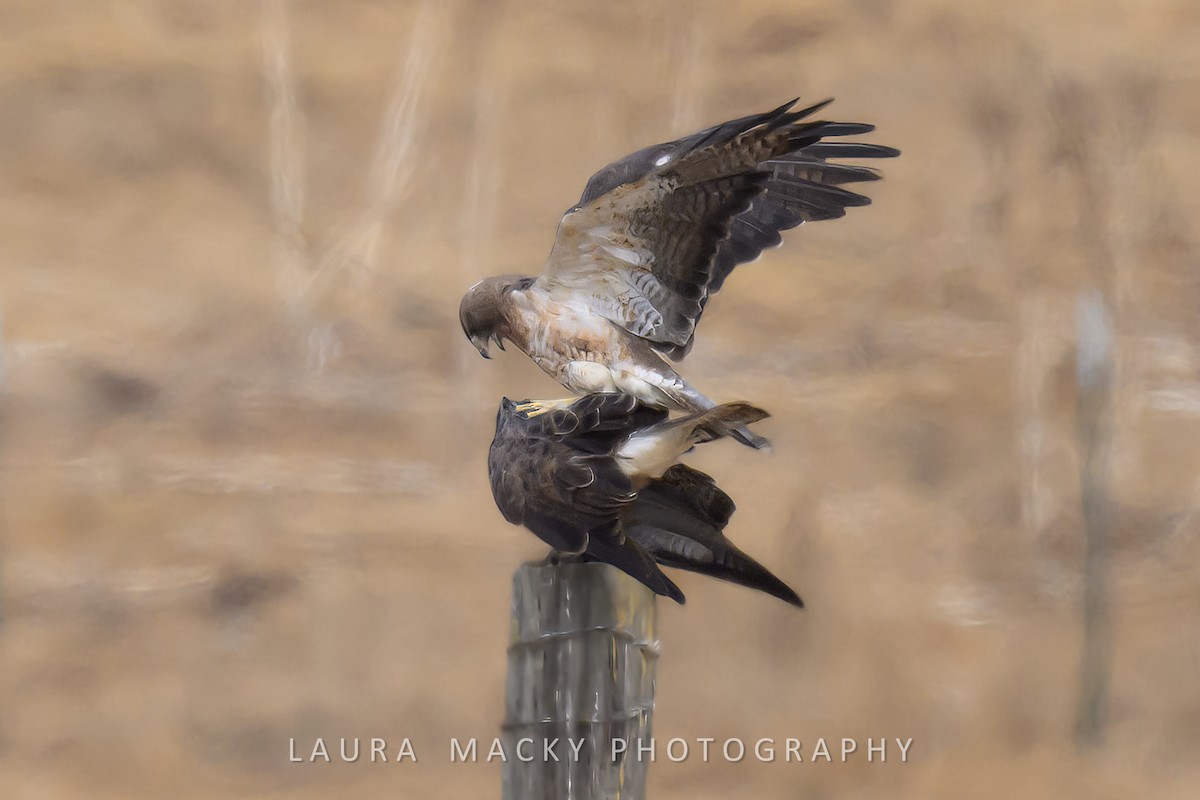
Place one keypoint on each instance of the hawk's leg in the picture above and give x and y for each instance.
(556, 557)
(534, 408)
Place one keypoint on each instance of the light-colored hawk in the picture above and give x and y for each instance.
(653, 237)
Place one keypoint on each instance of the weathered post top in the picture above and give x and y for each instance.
(581, 659)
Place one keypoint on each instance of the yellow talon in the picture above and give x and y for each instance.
(535, 407)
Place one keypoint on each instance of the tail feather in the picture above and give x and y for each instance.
(679, 520)
(649, 452)
(624, 553)
(688, 399)
(698, 491)
(724, 420)
(735, 566)
(751, 439)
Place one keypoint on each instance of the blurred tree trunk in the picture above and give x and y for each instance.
(1094, 427)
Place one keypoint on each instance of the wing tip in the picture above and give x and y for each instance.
(789, 596)
(675, 593)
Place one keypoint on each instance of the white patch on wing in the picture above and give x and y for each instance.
(662, 160)
(626, 254)
(601, 231)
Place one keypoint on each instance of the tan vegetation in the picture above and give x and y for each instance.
(242, 448)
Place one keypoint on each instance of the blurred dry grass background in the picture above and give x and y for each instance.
(243, 482)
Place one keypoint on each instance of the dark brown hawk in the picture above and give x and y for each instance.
(596, 477)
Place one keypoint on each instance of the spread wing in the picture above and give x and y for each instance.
(655, 234)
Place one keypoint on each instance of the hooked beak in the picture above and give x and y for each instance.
(482, 344)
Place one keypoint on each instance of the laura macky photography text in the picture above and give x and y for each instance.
(472, 750)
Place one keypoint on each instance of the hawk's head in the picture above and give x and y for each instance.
(481, 312)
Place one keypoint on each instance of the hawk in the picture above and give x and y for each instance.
(596, 477)
(653, 236)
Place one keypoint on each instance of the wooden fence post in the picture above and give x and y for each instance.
(581, 658)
